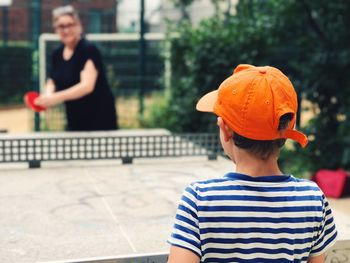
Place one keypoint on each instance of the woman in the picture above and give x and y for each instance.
(78, 78)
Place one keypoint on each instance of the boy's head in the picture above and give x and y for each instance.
(259, 106)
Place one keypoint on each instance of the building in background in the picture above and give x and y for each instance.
(97, 16)
(103, 16)
(199, 10)
(129, 15)
(158, 12)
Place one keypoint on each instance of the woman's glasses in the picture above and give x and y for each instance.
(62, 27)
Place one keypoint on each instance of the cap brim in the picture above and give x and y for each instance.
(295, 135)
(207, 102)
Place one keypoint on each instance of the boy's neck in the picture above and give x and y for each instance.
(250, 165)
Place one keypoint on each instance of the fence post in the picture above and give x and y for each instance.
(36, 25)
(142, 57)
(5, 25)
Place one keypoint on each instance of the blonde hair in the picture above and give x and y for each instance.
(64, 10)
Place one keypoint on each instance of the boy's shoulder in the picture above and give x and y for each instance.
(206, 185)
(306, 183)
(208, 182)
(236, 181)
(236, 177)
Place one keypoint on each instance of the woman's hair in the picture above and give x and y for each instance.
(64, 10)
(263, 149)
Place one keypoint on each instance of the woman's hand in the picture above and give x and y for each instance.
(47, 101)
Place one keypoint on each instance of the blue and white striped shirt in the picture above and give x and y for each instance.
(239, 218)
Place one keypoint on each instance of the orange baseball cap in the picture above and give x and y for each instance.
(251, 102)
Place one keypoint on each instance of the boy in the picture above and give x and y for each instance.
(256, 214)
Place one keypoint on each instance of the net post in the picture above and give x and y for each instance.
(34, 164)
(212, 156)
(127, 160)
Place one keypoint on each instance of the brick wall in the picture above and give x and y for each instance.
(19, 16)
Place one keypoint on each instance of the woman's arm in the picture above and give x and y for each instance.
(317, 259)
(182, 255)
(88, 77)
(49, 87)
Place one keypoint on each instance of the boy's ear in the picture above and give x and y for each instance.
(226, 131)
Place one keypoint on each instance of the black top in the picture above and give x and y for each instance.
(95, 111)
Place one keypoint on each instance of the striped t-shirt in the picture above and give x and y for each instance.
(239, 218)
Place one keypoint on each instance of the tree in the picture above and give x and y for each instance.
(308, 40)
(183, 5)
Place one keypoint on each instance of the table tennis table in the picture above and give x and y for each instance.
(98, 210)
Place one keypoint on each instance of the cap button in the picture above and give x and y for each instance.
(262, 71)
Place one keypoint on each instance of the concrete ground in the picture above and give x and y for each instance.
(15, 119)
(341, 212)
(94, 209)
(70, 210)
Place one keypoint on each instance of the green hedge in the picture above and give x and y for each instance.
(307, 40)
(15, 73)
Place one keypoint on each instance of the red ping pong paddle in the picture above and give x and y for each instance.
(29, 98)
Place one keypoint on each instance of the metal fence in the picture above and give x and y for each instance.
(22, 22)
(71, 146)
